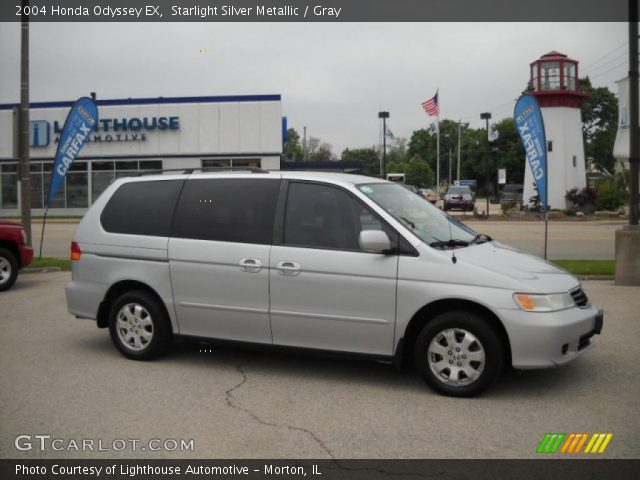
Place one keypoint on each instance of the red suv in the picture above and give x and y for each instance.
(14, 252)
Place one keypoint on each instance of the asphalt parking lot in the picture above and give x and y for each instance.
(61, 376)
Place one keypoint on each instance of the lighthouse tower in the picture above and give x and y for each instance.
(554, 79)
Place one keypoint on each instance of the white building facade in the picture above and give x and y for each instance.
(139, 136)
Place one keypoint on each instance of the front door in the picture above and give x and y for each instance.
(325, 292)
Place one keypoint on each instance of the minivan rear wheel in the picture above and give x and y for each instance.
(459, 354)
(139, 326)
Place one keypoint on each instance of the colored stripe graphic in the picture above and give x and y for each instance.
(550, 443)
(572, 443)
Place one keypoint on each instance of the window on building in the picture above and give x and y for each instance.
(102, 174)
(142, 208)
(230, 162)
(228, 210)
(550, 146)
(8, 186)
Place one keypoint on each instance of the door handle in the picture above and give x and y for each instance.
(288, 268)
(251, 265)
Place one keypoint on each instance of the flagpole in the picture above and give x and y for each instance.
(438, 150)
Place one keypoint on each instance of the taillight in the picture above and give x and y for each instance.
(75, 251)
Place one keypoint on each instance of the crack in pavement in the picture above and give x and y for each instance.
(230, 399)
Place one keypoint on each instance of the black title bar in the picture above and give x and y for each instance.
(315, 10)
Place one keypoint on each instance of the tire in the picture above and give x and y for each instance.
(476, 339)
(139, 325)
(8, 269)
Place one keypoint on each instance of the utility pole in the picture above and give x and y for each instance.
(449, 165)
(384, 116)
(304, 144)
(634, 154)
(628, 237)
(23, 140)
(486, 116)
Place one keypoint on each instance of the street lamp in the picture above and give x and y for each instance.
(486, 116)
(384, 116)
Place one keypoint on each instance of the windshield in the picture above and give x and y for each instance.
(426, 221)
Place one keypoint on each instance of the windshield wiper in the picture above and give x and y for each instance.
(408, 222)
(481, 238)
(454, 242)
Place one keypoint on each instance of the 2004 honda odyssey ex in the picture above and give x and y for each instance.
(321, 261)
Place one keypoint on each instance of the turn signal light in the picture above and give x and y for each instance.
(75, 251)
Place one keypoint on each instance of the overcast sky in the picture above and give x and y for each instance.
(333, 77)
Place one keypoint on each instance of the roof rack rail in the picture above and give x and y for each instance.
(189, 171)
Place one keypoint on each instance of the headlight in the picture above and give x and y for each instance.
(543, 303)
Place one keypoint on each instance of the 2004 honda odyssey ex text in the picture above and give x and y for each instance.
(323, 261)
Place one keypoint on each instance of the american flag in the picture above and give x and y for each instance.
(431, 106)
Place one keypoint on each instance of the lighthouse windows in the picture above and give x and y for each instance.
(575, 161)
(570, 75)
(550, 146)
(550, 75)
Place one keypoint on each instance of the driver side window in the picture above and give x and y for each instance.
(322, 216)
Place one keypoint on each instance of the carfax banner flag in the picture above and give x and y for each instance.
(79, 124)
(530, 126)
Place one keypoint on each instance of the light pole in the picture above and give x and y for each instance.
(460, 127)
(486, 116)
(384, 116)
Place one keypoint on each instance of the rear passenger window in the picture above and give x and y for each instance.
(142, 208)
(231, 210)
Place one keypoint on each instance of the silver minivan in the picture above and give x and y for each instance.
(322, 261)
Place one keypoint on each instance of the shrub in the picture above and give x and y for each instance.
(584, 199)
(612, 193)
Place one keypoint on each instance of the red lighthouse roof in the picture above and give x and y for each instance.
(554, 81)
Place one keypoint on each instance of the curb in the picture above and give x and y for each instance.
(596, 277)
(41, 269)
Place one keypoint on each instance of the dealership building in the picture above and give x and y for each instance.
(139, 136)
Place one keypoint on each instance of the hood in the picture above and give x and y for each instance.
(10, 223)
(533, 272)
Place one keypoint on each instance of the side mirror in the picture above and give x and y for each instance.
(374, 241)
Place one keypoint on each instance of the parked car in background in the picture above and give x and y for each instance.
(14, 252)
(429, 194)
(512, 195)
(458, 197)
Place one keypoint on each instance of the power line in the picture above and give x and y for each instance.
(605, 56)
(614, 59)
(610, 70)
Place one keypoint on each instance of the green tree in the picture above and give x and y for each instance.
(418, 172)
(599, 123)
(508, 151)
(292, 149)
(369, 158)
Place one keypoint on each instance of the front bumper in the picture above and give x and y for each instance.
(546, 340)
(26, 255)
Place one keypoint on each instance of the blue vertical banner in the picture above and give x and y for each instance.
(530, 126)
(79, 124)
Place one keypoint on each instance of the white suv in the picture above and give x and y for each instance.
(323, 261)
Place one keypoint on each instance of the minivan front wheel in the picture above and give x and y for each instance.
(139, 326)
(459, 354)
